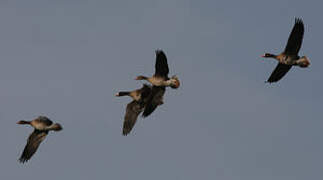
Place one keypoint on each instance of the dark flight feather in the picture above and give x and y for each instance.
(134, 108)
(32, 145)
(279, 72)
(295, 39)
(161, 66)
(155, 99)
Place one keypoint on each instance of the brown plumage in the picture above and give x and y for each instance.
(289, 57)
(160, 81)
(135, 107)
(160, 78)
(42, 125)
(154, 100)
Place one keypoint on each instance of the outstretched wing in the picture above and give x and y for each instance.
(155, 99)
(161, 66)
(134, 108)
(295, 39)
(279, 72)
(32, 145)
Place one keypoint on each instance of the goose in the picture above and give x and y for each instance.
(289, 57)
(160, 81)
(135, 107)
(160, 78)
(42, 125)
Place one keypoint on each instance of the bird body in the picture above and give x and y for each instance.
(42, 125)
(293, 60)
(160, 81)
(160, 78)
(289, 57)
(135, 95)
(135, 107)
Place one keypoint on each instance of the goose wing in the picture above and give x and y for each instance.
(145, 92)
(161, 66)
(155, 99)
(134, 108)
(279, 72)
(32, 145)
(295, 39)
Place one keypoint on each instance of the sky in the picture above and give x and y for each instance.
(67, 59)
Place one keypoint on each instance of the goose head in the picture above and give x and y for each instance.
(23, 122)
(268, 55)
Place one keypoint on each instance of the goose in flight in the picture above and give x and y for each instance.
(289, 57)
(42, 125)
(135, 107)
(160, 81)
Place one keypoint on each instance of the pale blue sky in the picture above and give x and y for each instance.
(67, 59)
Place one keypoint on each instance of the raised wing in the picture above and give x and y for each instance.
(295, 39)
(155, 99)
(279, 72)
(134, 108)
(32, 145)
(161, 66)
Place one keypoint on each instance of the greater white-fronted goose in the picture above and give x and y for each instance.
(42, 125)
(160, 81)
(135, 107)
(289, 57)
(160, 78)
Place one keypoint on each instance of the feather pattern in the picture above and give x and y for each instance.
(42, 125)
(279, 72)
(295, 39)
(134, 108)
(32, 145)
(161, 66)
(155, 99)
